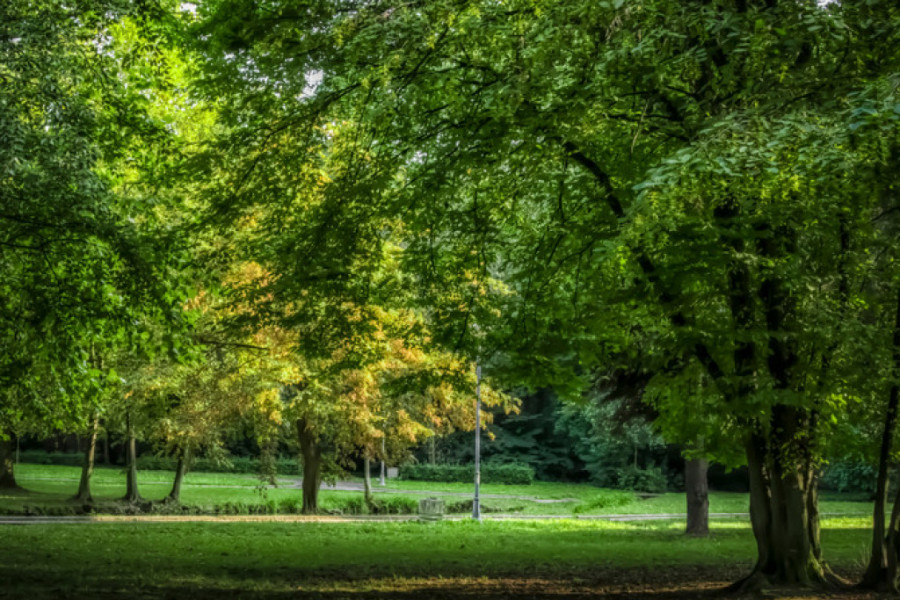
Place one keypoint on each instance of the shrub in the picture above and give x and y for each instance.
(849, 476)
(465, 506)
(506, 473)
(634, 478)
(605, 499)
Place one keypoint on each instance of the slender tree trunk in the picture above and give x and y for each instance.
(87, 468)
(367, 468)
(106, 459)
(312, 467)
(697, 491)
(432, 450)
(7, 463)
(131, 492)
(175, 495)
(882, 572)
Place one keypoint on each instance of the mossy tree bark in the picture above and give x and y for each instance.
(783, 510)
(312, 466)
(180, 469)
(87, 467)
(7, 463)
(131, 488)
(697, 491)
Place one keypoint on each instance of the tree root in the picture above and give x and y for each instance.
(758, 583)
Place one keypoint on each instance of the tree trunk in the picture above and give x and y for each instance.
(106, 459)
(783, 512)
(180, 469)
(87, 468)
(367, 468)
(7, 464)
(783, 479)
(131, 491)
(312, 467)
(881, 573)
(697, 492)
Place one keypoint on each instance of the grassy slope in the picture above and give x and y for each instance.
(280, 556)
(54, 485)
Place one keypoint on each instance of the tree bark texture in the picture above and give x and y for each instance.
(131, 489)
(7, 463)
(783, 509)
(312, 467)
(697, 491)
(180, 469)
(87, 467)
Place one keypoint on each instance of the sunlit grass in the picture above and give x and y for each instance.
(50, 486)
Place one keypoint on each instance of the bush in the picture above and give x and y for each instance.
(384, 504)
(634, 478)
(151, 462)
(465, 506)
(605, 499)
(39, 457)
(506, 473)
(853, 476)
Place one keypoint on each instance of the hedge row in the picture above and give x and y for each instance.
(510, 473)
(237, 464)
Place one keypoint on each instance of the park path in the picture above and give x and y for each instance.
(97, 519)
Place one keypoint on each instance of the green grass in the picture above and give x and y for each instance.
(51, 487)
(265, 558)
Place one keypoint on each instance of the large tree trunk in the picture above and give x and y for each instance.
(882, 571)
(180, 469)
(783, 479)
(783, 511)
(7, 463)
(131, 490)
(312, 467)
(87, 468)
(697, 491)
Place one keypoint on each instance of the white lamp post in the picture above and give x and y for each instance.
(476, 502)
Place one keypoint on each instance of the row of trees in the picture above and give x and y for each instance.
(374, 194)
(126, 307)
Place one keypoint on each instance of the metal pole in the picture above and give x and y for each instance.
(476, 502)
(381, 481)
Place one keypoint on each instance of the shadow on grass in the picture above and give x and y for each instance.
(633, 583)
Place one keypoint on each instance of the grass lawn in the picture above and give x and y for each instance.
(51, 487)
(411, 559)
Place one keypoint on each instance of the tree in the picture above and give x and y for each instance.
(79, 253)
(590, 155)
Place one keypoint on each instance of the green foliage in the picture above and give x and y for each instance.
(650, 480)
(854, 477)
(510, 474)
(609, 436)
